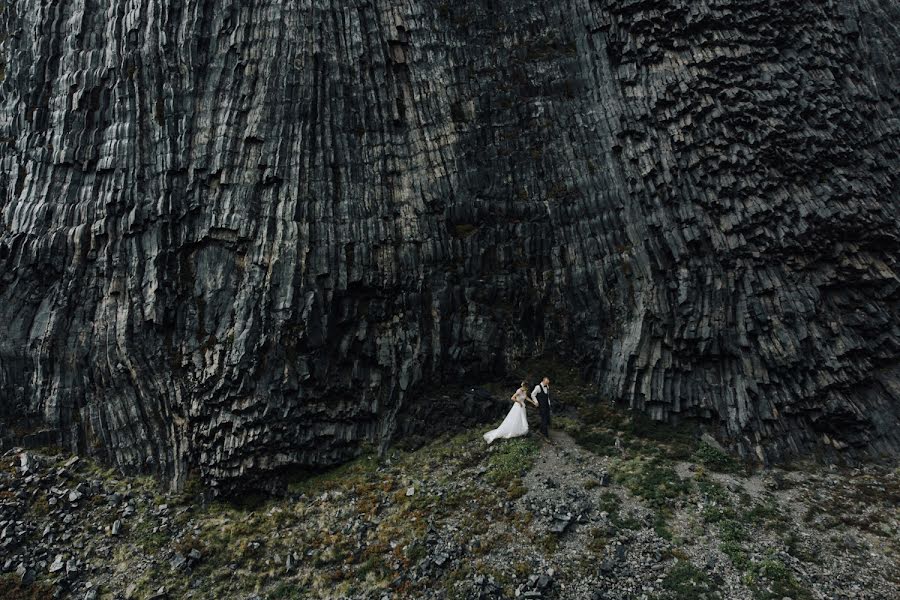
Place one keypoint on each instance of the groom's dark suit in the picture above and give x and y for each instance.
(543, 399)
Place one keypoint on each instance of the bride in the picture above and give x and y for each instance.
(516, 422)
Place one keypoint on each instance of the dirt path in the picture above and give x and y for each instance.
(572, 509)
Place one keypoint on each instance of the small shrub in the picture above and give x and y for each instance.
(736, 554)
(731, 530)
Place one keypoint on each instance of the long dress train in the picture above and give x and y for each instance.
(514, 425)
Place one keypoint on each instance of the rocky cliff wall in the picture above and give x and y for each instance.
(238, 236)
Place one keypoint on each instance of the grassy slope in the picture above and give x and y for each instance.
(350, 531)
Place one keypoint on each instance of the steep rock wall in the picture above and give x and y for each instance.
(238, 236)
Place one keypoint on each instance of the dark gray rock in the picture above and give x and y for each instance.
(160, 594)
(560, 523)
(58, 564)
(179, 561)
(236, 260)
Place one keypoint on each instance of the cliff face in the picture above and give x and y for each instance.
(238, 236)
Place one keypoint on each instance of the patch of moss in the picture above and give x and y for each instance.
(736, 553)
(464, 231)
(598, 442)
(603, 423)
(711, 490)
(40, 506)
(598, 541)
(511, 459)
(548, 543)
(611, 504)
(796, 549)
(732, 530)
(416, 552)
(653, 479)
(771, 579)
(684, 581)
(146, 533)
(285, 590)
(348, 474)
(11, 588)
(715, 460)
(567, 424)
(189, 543)
(766, 514)
(661, 519)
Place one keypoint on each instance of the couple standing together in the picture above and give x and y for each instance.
(516, 422)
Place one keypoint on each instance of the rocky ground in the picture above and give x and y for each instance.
(614, 507)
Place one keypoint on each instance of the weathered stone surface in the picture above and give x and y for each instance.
(242, 236)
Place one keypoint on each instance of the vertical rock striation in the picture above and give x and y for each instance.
(239, 236)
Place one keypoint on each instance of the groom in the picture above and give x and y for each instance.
(540, 397)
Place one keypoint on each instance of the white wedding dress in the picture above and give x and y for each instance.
(515, 423)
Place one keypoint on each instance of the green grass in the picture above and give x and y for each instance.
(768, 579)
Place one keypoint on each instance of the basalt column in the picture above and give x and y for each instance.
(242, 236)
